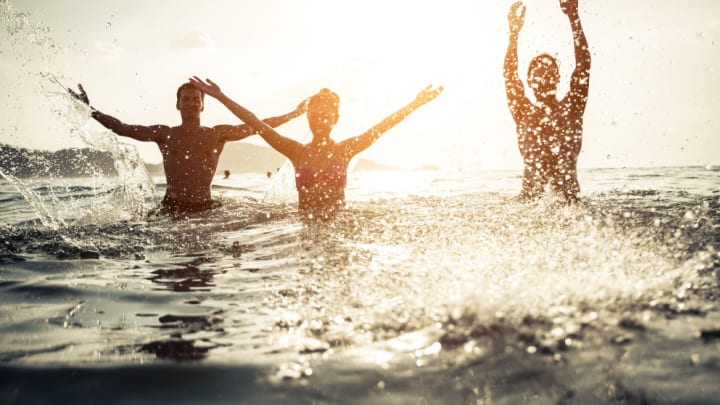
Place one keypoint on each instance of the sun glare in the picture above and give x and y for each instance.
(379, 55)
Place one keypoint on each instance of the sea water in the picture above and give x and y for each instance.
(431, 287)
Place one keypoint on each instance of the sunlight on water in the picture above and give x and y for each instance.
(466, 264)
(400, 284)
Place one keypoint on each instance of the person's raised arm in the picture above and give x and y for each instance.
(238, 132)
(355, 145)
(580, 80)
(137, 132)
(514, 88)
(286, 146)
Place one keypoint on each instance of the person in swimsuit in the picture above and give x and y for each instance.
(321, 165)
(190, 151)
(549, 130)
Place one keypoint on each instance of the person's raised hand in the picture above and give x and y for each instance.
(80, 95)
(302, 107)
(208, 86)
(427, 94)
(516, 16)
(569, 7)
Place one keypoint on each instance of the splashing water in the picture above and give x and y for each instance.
(49, 219)
(282, 186)
(433, 287)
(134, 181)
(472, 262)
(32, 46)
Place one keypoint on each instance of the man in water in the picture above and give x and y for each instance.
(549, 130)
(190, 151)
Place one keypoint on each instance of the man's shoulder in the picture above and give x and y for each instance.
(160, 128)
(202, 130)
(205, 134)
(227, 128)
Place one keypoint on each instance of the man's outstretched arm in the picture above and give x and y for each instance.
(238, 132)
(137, 132)
(288, 147)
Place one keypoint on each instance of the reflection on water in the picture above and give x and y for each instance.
(184, 279)
(179, 349)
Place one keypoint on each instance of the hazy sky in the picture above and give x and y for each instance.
(653, 92)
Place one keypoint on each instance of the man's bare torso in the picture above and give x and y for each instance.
(190, 159)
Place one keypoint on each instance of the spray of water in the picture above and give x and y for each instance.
(282, 186)
(457, 268)
(134, 182)
(31, 42)
(47, 218)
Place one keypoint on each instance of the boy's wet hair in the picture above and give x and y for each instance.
(188, 85)
(543, 60)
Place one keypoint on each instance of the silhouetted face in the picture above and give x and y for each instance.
(323, 112)
(190, 103)
(543, 76)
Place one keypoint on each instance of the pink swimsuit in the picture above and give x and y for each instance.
(334, 176)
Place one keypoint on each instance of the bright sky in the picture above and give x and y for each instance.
(653, 94)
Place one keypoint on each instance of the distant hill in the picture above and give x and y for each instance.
(243, 157)
(239, 157)
(22, 162)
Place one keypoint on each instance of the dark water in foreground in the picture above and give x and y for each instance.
(433, 287)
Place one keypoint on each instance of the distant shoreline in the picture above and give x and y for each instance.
(236, 158)
(86, 162)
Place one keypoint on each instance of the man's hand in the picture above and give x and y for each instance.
(516, 16)
(302, 107)
(569, 7)
(81, 95)
(427, 94)
(210, 88)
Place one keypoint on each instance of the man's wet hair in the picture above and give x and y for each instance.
(188, 85)
(543, 60)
